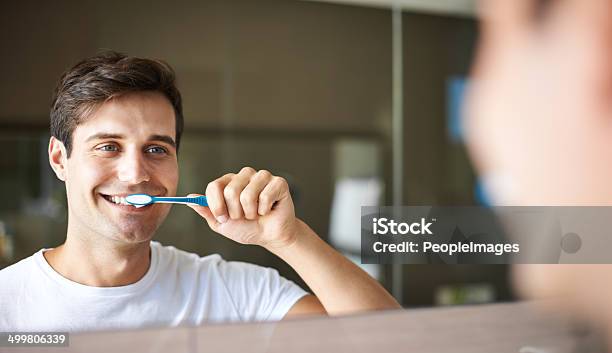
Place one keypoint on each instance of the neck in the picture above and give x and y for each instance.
(98, 261)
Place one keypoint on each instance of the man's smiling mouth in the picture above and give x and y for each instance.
(118, 200)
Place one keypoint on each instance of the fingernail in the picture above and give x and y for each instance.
(222, 219)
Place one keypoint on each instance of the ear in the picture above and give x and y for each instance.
(58, 157)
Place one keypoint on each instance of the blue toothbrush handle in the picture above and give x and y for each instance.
(198, 200)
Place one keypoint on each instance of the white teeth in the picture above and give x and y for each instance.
(119, 200)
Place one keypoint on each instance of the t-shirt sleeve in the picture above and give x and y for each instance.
(259, 293)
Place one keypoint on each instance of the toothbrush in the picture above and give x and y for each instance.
(141, 200)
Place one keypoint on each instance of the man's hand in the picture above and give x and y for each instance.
(255, 207)
(251, 207)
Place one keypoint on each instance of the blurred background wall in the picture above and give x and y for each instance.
(300, 88)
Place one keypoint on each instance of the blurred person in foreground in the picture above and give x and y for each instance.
(540, 127)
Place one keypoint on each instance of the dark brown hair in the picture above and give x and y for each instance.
(104, 76)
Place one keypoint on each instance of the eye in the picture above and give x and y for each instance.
(108, 148)
(156, 150)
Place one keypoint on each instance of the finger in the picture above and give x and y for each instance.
(249, 198)
(233, 190)
(204, 212)
(215, 198)
(276, 190)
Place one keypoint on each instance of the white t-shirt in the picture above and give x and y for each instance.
(179, 288)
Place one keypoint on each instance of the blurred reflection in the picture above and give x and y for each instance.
(539, 127)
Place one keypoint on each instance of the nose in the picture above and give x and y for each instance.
(132, 168)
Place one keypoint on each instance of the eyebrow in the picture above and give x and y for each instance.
(163, 138)
(103, 135)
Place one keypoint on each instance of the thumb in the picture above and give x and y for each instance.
(204, 212)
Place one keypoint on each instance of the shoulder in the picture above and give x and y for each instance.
(19, 269)
(236, 276)
(19, 277)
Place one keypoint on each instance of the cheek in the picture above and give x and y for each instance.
(168, 175)
(86, 173)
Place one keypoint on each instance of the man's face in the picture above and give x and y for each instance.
(126, 146)
(540, 122)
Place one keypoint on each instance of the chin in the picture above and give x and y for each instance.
(533, 281)
(131, 233)
(579, 289)
(136, 229)
(134, 238)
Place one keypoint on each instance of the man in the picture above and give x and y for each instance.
(116, 124)
(540, 119)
